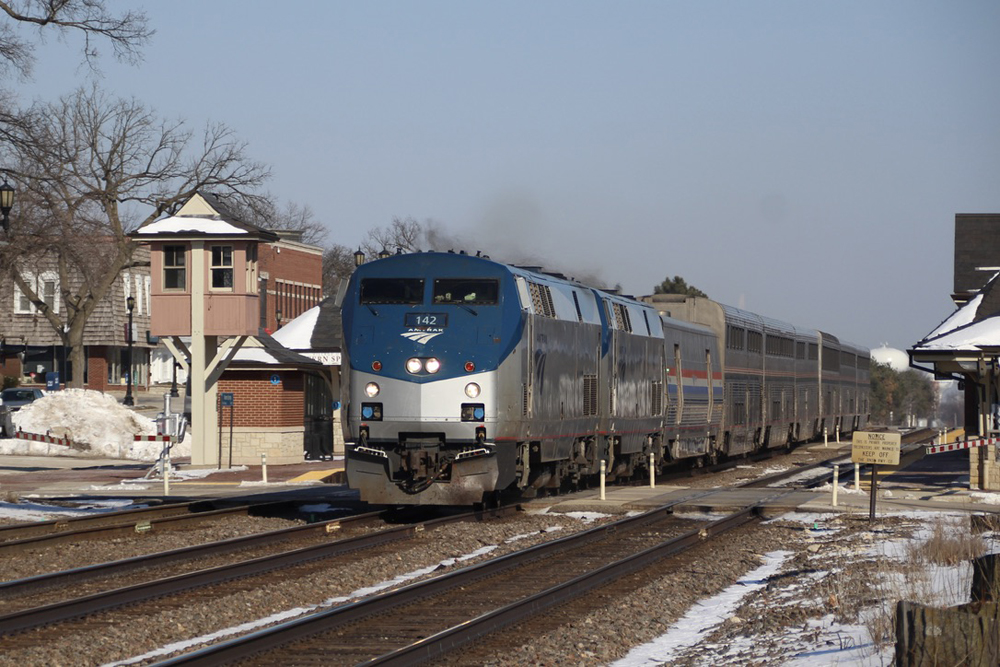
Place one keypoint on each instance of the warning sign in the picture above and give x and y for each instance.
(878, 448)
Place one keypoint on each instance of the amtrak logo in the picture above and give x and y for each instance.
(422, 337)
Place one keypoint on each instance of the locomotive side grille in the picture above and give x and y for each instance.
(541, 300)
(656, 398)
(589, 395)
(524, 400)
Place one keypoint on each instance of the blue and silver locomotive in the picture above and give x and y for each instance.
(467, 377)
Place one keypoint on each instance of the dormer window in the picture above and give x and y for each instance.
(222, 267)
(174, 267)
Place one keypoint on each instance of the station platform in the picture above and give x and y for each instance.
(63, 477)
(939, 482)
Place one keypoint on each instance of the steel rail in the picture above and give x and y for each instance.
(327, 620)
(453, 638)
(68, 609)
(135, 523)
(19, 531)
(159, 559)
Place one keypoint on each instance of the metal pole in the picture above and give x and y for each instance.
(874, 494)
(166, 473)
(128, 376)
(825, 442)
(219, 419)
(263, 467)
(231, 408)
(857, 477)
(603, 468)
(652, 470)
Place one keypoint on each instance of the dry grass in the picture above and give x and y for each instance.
(950, 543)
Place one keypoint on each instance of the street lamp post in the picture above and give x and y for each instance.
(130, 304)
(6, 203)
(277, 318)
(359, 257)
(173, 384)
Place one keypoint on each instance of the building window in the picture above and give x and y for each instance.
(222, 267)
(46, 286)
(174, 271)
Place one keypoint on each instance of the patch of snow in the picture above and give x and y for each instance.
(704, 617)
(95, 422)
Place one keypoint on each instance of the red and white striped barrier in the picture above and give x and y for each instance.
(51, 439)
(153, 438)
(965, 444)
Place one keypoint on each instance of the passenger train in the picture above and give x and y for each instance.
(468, 377)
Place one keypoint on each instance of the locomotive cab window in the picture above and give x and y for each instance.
(467, 291)
(392, 290)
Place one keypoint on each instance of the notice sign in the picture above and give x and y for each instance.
(878, 448)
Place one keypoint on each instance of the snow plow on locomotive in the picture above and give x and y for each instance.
(469, 377)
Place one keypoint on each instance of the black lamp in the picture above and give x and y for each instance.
(130, 304)
(6, 203)
(277, 316)
(359, 257)
(384, 253)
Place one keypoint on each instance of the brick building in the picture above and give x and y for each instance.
(220, 285)
(30, 347)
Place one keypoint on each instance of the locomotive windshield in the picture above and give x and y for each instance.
(467, 291)
(392, 290)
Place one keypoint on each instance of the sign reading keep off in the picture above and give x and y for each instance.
(877, 448)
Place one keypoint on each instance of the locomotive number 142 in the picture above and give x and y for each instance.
(426, 320)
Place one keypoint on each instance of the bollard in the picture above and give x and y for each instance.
(263, 467)
(603, 464)
(837, 431)
(825, 443)
(836, 476)
(857, 477)
(652, 470)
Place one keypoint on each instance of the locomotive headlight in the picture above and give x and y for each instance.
(413, 365)
(472, 390)
(371, 389)
(432, 365)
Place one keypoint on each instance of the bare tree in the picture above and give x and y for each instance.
(338, 265)
(265, 213)
(403, 234)
(126, 32)
(91, 169)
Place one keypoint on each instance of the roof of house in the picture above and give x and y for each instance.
(312, 339)
(204, 215)
(973, 327)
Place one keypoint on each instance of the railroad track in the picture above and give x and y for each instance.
(17, 538)
(429, 618)
(69, 608)
(912, 446)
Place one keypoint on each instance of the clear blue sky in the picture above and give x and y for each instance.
(804, 160)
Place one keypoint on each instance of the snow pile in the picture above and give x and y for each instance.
(94, 422)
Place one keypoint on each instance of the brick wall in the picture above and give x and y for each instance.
(97, 368)
(257, 402)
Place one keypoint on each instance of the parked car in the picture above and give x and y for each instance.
(12, 400)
